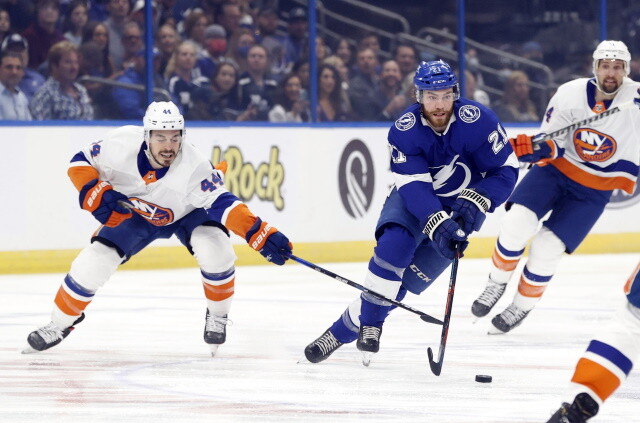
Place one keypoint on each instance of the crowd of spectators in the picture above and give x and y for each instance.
(224, 60)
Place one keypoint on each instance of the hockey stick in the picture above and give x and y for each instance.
(436, 367)
(575, 125)
(423, 316)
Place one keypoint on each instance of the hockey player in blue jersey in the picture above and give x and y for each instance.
(452, 163)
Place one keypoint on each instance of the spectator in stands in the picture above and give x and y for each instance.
(167, 41)
(5, 24)
(256, 86)
(229, 14)
(290, 106)
(32, 80)
(118, 11)
(472, 90)
(516, 106)
(345, 51)
(98, 33)
(406, 55)
(194, 25)
(138, 14)
(42, 34)
(133, 103)
(371, 40)
(75, 21)
(61, 97)
(183, 76)
(390, 95)
(296, 41)
(93, 64)
(362, 86)
(238, 52)
(131, 43)
(14, 105)
(165, 13)
(267, 24)
(333, 105)
(215, 48)
(225, 104)
(342, 69)
(301, 68)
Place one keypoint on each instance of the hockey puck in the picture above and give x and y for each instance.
(483, 378)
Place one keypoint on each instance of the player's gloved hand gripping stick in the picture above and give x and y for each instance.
(107, 205)
(541, 148)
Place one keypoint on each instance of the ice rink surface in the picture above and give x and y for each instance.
(139, 354)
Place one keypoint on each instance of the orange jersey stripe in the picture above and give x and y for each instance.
(598, 378)
(587, 179)
(528, 290)
(240, 220)
(627, 286)
(219, 292)
(69, 305)
(81, 175)
(503, 264)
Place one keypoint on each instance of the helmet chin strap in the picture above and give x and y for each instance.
(597, 84)
(151, 158)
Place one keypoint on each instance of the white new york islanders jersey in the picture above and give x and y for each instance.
(190, 182)
(605, 154)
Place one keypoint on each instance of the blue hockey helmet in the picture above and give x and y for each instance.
(435, 75)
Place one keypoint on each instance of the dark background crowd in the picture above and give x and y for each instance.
(244, 60)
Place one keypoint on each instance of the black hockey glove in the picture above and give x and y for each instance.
(469, 210)
(447, 236)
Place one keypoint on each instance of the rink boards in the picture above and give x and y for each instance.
(322, 186)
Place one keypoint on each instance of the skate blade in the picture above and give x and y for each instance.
(495, 331)
(214, 349)
(366, 358)
(303, 360)
(29, 350)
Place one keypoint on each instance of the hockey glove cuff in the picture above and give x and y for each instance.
(109, 207)
(269, 242)
(469, 210)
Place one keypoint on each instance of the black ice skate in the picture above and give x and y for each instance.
(320, 349)
(215, 331)
(48, 336)
(582, 409)
(368, 342)
(489, 297)
(511, 317)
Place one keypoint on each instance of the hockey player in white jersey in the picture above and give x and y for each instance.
(573, 179)
(145, 183)
(607, 361)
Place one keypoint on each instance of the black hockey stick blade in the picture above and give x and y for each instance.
(423, 316)
(436, 367)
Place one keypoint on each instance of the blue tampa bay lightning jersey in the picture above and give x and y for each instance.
(430, 169)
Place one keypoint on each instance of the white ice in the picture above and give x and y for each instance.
(139, 355)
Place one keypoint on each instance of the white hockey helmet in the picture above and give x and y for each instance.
(162, 115)
(612, 50)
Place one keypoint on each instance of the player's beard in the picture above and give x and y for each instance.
(609, 85)
(438, 122)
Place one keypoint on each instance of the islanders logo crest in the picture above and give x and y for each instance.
(155, 214)
(593, 146)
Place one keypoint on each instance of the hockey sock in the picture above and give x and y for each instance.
(70, 302)
(219, 290)
(504, 262)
